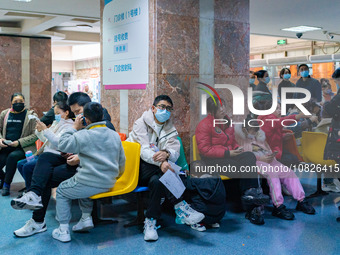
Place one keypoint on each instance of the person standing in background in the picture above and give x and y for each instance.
(252, 79)
(88, 91)
(309, 83)
(263, 78)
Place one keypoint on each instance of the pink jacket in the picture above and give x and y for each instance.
(257, 145)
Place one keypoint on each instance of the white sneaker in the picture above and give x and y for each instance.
(83, 225)
(30, 228)
(29, 200)
(62, 236)
(215, 225)
(198, 227)
(188, 215)
(150, 230)
(330, 188)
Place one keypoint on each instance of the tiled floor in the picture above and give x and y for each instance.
(307, 234)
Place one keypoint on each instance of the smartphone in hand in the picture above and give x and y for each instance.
(7, 142)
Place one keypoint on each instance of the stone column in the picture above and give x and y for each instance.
(190, 41)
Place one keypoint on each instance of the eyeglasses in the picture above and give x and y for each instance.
(163, 107)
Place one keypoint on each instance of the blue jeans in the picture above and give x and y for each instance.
(26, 170)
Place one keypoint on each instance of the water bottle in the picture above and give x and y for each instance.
(29, 156)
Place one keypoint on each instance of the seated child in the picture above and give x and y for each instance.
(102, 161)
(253, 139)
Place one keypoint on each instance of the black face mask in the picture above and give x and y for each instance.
(18, 107)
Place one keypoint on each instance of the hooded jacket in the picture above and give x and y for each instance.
(274, 131)
(257, 145)
(28, 137)
(144, 132)
(214, 142)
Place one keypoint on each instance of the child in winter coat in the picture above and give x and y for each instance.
(253, 139)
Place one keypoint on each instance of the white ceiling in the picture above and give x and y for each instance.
(68, 22)
(59, 18)
(268, 17)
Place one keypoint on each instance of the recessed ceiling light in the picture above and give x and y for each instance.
(301, 29)
(27, 1)
(84, 25)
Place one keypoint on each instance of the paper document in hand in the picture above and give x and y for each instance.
(173, 183)
(175, 167)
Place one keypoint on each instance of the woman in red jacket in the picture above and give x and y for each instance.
(273, 128)
(218, 148)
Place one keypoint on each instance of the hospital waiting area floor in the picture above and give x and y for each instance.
(307, 234)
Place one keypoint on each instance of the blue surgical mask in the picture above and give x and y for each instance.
(286, 76)
(57, 117)
(267, 80)
(251, 81)
(162, 115)
(304, 74)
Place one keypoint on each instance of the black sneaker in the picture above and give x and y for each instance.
(255, 216)
(305, 207)
(254, 196)
(5, 191)
(283, 213)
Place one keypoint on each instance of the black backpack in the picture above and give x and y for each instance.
(207, 196)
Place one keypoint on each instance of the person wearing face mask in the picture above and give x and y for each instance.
(309, 83)
(327, 92)
(285, 75)
(253, 139)
(252, 79)
(157, 136)
(50, 137)
(48, 118)
(263, 78)
(217, 146)
(17, 126)
(336, 77)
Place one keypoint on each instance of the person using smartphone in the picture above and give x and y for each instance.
(253, 139)
(217, 147)
(17, 126)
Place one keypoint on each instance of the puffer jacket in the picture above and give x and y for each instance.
(145, 134)
(274, 132)
(28, 137)
(214, 142)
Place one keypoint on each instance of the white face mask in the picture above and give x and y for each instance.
(250, 136)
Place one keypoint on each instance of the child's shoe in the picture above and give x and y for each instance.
(255, 216)
(83, 225)
(305, 207)
(61, 235)
(282, 213)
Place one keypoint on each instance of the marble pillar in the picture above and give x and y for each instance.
(26, 66)
(190, 41)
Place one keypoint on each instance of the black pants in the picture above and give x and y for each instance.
(247, 180)
(9, 157)
(288, 158)
(149, 176)
(49, 172)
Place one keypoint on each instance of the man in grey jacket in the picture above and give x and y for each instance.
(157, 136)
(102, 161)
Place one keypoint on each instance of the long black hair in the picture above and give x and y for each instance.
(62, 105)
